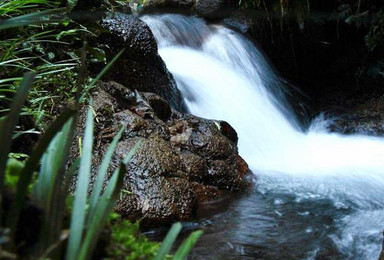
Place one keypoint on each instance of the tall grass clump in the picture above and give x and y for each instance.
(30, 45)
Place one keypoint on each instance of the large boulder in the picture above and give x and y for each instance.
(182, 159)
(140, 67)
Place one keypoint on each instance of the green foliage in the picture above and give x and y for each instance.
(15, 164)
(8, 124)
(12, 172)
(38, 39)
(127, 241)
(9, 8)
(53, 151)
(50, 194)
(49, 49)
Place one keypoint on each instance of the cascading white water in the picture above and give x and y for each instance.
(222, 75)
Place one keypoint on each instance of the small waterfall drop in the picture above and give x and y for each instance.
(222, 75)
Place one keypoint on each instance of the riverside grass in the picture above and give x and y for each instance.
(50, 155)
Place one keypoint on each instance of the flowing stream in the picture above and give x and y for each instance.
(317, 195)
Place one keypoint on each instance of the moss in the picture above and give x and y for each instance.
(127, 243)
(14, 165)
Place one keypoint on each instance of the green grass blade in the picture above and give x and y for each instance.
(32, 18)
(51, 164)
(187, 245)
(101, 213)
(102, 173)
(81, 192)
(8, 125)
(10, 79)
(47, 192)
(31, 165)
(168, 241)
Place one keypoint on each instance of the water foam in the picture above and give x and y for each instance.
(222, 75)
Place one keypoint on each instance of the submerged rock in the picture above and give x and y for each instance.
(182, 159)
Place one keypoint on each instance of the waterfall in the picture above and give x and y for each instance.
(222, 75)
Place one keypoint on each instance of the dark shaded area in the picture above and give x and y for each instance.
(325, 53)
(28, 228)
(25, 142)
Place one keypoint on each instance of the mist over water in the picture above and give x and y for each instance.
(312, 181)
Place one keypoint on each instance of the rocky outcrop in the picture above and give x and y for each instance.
(140, 67)
(182, 159)
(366, 118)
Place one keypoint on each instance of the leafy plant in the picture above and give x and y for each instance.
(50, 194)
(127, 241)
(51, 154)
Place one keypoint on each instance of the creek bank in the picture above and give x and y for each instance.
(182, 159)
(366, 118)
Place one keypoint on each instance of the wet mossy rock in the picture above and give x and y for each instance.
(366, 118)
(182, 159)
(140, 67)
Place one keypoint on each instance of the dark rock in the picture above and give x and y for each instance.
(207, 193)
(195, 166)
(182, 159)
(209, 9)
(139, 67)
(152, 4)
(160, 107)
(240, 22)
(366, 118)
(228, 131)
(201, 136)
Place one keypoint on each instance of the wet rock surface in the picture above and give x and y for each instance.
(366, 118)
(139, 67)
(182, 159)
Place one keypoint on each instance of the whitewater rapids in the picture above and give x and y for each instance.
(222, 75)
